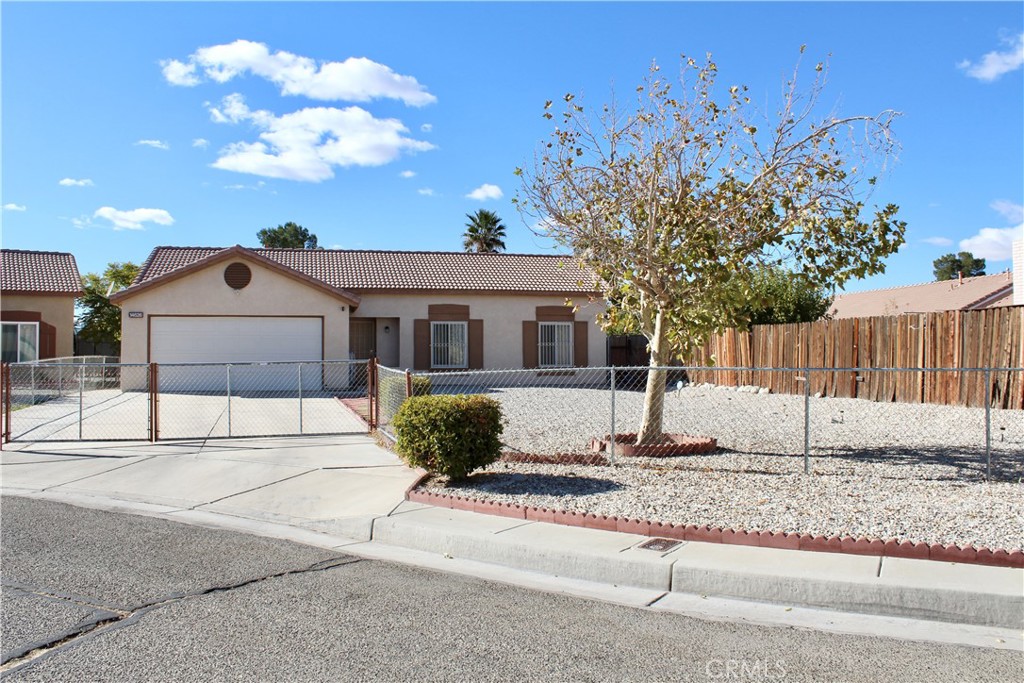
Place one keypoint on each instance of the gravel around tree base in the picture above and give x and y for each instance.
(878, 470)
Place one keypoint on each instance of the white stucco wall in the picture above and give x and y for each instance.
(204, 292)
(502, 315)
(58, 311)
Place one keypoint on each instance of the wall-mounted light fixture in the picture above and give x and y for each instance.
(387, 330)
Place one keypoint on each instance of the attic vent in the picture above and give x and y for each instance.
(237, 275)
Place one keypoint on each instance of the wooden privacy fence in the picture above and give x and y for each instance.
(956, 341)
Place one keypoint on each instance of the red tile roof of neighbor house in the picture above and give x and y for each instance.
(402, 270)
(983, 291)
(42, 272)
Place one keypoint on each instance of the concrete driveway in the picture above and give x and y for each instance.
(336, 484)
(112, 414)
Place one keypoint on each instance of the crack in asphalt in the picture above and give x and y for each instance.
(132, 615)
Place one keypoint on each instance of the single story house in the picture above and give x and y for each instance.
(417, 310)
(963, 294)
(37, 304)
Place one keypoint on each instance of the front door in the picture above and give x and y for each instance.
(362, 338)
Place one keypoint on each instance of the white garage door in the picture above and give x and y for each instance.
(236, 340)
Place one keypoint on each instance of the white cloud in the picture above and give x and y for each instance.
(427, 127)
(357, 79)
(994, 64)
(201, 143)
(485, 192)
(307, 144)
(426, 191)
(178, 73)
(938, 241)
(15, 207)
(158, 144)
(408, 174)
(73, 182)
(1011, 211)
(993, 244)
(133, 219)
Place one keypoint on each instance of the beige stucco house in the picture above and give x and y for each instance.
(416, 310)
(37, 304)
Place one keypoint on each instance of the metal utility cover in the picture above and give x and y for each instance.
(660, 544)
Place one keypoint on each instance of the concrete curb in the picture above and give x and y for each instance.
(705, 534)
(918, 589)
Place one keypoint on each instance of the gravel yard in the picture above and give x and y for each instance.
(880, 470)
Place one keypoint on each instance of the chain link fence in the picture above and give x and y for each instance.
(569, 415)
(109, 402)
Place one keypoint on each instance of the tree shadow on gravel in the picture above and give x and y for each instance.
(519, 483)
(969, 463)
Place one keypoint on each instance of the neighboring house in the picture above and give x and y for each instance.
(967, 294)
(37, 304)
(1018, 271)
(419, 310)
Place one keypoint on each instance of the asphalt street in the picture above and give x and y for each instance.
(100, 596)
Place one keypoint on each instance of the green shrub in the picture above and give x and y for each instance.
(449, 435)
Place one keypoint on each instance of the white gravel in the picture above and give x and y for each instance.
(879, 470)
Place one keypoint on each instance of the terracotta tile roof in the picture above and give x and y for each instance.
(425, 270)
(50, 272)
(982, 291)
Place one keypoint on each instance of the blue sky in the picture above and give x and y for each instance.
(127, 126)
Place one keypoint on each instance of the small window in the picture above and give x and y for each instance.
(554, 341)
(448, 345)
(20, 342)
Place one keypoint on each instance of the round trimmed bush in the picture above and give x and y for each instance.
(449, 435)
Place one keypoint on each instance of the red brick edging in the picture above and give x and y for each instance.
(705, 534)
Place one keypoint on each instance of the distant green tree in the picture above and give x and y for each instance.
(949, 267)
(100, 320)
(484, 232)
(782, 296)
(287, 236)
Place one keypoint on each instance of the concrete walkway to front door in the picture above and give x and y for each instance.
(335, 485)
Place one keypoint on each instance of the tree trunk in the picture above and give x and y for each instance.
(654, 397)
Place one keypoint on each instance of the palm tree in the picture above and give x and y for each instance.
(484, 232)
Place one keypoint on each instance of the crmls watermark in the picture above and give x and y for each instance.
(745, 669)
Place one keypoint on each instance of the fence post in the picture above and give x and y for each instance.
(32, 371)
(300, 398)
(988, 424)
(408, 384)
(60, 381)
(229, 399)
(371, 372)
(81, 399)
(376, 394)
(154, 389)
(611, 443)
(5, 401)
(807, 421)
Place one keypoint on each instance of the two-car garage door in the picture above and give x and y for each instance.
(241, 340)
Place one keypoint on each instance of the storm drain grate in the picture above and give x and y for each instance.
(660, 544)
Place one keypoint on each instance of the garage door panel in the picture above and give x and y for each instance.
(237, 340)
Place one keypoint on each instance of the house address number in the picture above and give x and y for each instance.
(134, 314)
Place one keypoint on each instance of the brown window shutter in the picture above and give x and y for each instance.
(530, 344)
(476, 344)
(579, 344)
(421, 344)
(448, 312)
(47, 341)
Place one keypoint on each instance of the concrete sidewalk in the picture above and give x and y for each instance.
(347, 493)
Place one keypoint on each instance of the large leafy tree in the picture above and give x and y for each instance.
(484, 232)
(287, 236)
(100, 320)
(949, 266)
(677, 203)
(779, 296)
